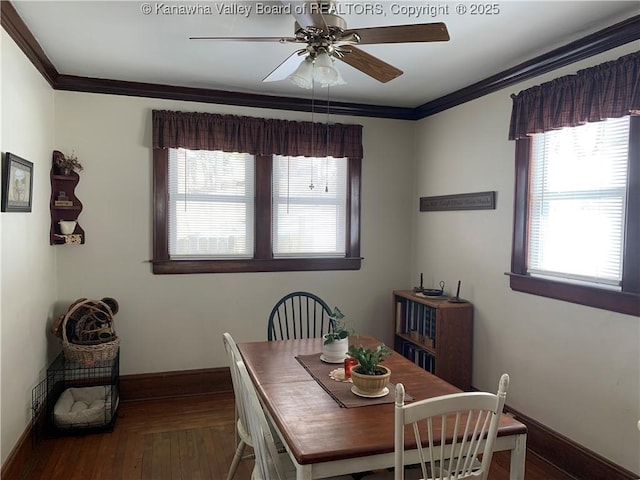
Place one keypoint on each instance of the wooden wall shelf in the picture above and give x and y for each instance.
(63, 191)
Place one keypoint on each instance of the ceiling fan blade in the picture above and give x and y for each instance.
(251, 39)
(372, 66)
(307, 13)
(418, 32)
(286, 68)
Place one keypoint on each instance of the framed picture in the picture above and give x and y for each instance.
(17, 184)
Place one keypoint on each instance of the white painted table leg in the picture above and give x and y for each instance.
(303, 472)
(518, 454)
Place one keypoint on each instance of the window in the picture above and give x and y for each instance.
(577, 203)
(576, 215)
(211, 199)
(576, 230)
(309, 206)
(220, 211)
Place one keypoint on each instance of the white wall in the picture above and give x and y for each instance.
(575, 369)
(28, 277)
(175, 322)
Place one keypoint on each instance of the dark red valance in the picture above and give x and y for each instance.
(257, 136)
(608, 90)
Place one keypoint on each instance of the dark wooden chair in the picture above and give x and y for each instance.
(299, 315)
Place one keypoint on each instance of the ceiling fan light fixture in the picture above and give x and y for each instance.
(323, 70)
(319, 70)
(338, 81)
(303, 75)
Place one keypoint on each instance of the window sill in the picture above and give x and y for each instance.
(168, 267)
(620, 302)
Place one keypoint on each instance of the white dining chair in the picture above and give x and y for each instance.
(270, 462)
(242, 436)
(460, 422)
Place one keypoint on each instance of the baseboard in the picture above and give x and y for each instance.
(567, 455)
(16, 466)
(175, 384)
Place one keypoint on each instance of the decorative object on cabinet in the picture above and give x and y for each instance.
(65, 164)
(462, 201)
(65, 206)
(67, 227)
(17, 184)
(457, 298)
(435, 334)
(87, 330)
(431, 292)
(62, 200)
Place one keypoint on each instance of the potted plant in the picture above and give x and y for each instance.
(369, 377)
(336, 343)
(66, 163)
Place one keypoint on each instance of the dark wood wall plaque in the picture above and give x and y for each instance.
(462, 201)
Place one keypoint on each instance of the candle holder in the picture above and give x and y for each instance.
(349, 363)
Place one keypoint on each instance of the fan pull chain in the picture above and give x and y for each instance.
(313, 137)
(326, 159)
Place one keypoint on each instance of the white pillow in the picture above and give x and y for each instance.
(86, 406)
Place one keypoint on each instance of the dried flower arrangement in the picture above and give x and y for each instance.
(66, 163)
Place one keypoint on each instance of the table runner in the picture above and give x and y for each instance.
(341, 391)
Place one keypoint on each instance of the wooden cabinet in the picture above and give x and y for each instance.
(64, 205)
(435, 334)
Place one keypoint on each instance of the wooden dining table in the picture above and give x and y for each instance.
(324, 438)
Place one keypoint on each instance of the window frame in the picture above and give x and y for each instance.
(263, 260)
(626, 301)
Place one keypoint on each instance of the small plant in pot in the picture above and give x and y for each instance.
(336, 343)
(369, 377)
(65, 164)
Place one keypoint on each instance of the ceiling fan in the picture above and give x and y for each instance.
(326, 36)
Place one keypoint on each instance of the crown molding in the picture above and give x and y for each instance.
(601, 41)
(203, 95)
(598, 42)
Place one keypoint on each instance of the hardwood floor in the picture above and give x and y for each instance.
(188, 438)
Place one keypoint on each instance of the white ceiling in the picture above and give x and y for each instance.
(116, 40)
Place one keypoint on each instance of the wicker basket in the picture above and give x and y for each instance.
(89, 353)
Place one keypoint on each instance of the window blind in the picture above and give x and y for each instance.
(211, 204)
(309, 206)
(577, 202)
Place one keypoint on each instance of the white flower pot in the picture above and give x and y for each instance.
(336, 351)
